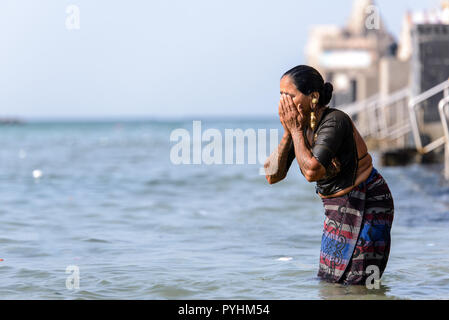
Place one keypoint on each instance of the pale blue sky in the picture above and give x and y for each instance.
(159, 58)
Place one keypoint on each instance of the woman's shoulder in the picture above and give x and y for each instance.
(336, 115)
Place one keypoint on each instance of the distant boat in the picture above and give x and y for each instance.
(10, 121)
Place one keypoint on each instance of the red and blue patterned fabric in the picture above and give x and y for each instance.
(357, 232)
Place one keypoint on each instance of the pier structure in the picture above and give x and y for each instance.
(396, 91)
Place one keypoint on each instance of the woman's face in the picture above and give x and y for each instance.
(302, 101)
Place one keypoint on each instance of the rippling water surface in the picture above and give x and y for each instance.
(138, 227)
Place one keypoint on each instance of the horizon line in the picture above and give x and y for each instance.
(132, 118)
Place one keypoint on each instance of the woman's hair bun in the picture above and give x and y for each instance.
(326, 94)
(307, 80)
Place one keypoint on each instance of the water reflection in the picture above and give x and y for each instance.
(332, 291)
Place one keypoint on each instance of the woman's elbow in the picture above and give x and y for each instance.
(271, 175)
(270, 180)
(310, 177)
(314, 175)
(273, 179)
(315, 171)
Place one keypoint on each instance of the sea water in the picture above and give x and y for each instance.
(103, 204)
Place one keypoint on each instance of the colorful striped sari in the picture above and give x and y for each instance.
(357, 232)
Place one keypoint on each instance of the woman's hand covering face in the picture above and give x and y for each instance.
(282, 114)
(292, 117)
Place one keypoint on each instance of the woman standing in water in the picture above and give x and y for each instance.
(330, 151)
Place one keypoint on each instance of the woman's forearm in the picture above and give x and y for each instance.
(309, 166)
(278, 163)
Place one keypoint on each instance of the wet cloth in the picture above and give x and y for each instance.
(335, 148)
(357, 232)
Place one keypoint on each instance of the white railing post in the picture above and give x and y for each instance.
(385, 118)
(442, 108)
(413, 110)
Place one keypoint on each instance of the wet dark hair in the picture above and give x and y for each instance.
(308, 80)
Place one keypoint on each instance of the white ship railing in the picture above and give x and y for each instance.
(444, 115)
(393, 117)
(414, 107)
(381, 117)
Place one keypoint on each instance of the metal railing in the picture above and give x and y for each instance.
(414, 106)
(381, 117)
(393, 117)
(444, 115)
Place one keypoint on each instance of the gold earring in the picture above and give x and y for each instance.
(312, 121)
(312, 115)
